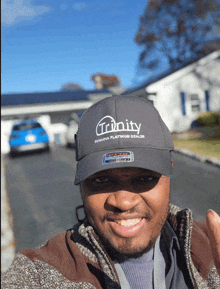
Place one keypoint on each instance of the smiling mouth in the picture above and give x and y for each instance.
(128, 223)
(127, 228)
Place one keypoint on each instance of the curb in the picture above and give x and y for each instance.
(205, 159)
(7, 235)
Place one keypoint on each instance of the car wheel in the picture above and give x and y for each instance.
(12, 154)
(68, 145)
(71, 145)
(47, 149)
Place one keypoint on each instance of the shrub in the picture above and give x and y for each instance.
(209, 119)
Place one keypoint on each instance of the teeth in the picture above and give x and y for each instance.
(128, 223)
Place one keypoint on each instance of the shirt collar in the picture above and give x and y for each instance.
(169, 237)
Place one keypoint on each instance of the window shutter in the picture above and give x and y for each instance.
(207, 100)
(183, 102)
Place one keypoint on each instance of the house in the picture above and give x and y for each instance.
(181, 95)
(52, 109)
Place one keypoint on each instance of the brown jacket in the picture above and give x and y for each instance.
(75, 259)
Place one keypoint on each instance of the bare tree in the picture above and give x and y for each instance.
(176, 32)
(71, 86)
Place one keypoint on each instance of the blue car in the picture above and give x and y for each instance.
(28, 135)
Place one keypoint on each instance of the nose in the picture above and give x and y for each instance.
(122, 200)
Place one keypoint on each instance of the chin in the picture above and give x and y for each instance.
(136, 252)
(125, 248)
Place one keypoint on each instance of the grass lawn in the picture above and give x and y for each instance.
(209, 148)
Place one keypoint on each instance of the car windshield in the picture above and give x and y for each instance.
(26, 126)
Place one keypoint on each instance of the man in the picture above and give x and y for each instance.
(131, 236)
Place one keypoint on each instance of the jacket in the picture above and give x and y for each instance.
(76, 259)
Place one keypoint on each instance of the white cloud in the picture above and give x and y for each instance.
(19, 10)
(79, 6)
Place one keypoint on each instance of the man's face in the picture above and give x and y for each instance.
(127, 207)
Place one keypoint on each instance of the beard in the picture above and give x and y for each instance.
(119, 254)
(124, 251)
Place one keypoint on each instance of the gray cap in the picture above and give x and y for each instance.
(122, 131)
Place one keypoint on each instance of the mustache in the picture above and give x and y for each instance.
(134, 212)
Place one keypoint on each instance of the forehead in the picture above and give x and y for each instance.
(129, 171)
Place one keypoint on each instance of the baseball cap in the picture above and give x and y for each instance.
(122, 131)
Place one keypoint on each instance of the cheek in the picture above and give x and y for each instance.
(158, 198)
(94, 206)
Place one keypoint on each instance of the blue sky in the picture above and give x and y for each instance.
(46, 44)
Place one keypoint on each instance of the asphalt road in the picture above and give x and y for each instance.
(43, 196)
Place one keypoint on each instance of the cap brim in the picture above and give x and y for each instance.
(157, 160)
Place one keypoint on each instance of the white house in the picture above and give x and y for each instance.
(181, 95)
(52, 109)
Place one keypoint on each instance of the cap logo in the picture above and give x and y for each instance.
(118, 157)
(108, 125)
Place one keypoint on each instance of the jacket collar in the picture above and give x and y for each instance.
(188, 232)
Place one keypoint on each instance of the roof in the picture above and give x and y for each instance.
(48, 97)
(155, 78)
(26, 121)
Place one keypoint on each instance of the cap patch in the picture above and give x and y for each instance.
(117, 157)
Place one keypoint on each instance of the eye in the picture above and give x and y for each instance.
(146, 179)
(101, 180)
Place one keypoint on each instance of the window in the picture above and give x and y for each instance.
(195, 102)
(26, 126)
(183, 102)
(207, 100)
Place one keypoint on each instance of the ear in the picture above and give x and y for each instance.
(80, 188)
(82, 192)
(172, 163)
